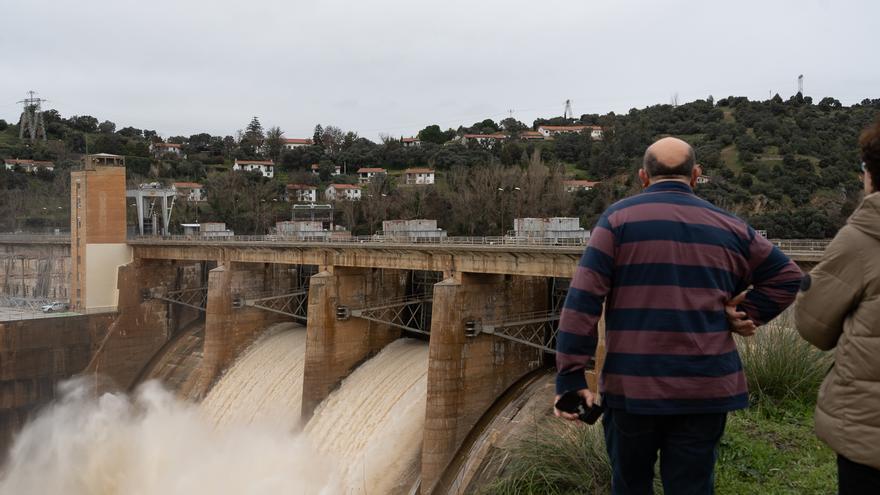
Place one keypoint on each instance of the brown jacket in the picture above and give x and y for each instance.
(841, 308)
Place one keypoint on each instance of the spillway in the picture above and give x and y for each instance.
(265, 383)
(372, 425)
(178, 362)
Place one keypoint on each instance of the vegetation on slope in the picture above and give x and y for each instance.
(788, 166)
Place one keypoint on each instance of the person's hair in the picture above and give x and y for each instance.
(655, 168)
(869, 142)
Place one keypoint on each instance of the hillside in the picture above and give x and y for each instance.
(788, 166)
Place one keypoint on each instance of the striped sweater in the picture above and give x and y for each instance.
(664, 262)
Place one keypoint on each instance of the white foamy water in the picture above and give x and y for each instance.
(372, 425)
(155, 444)
(265, 383)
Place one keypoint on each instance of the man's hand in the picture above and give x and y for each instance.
(588, 398)
(738, 320)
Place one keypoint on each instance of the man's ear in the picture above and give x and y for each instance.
(643, 176)
(695, 173)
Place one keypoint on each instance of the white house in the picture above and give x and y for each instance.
(190, 191)
(578, 185)
(704, 179)
(29, 166)
(366, 174)
(337, 169)
(410, 142)
(265, 167)
(340, 192)
(302, 193)
(418, 176)
(296, 143)
(159, 149)
(548, 131)
(482, 138)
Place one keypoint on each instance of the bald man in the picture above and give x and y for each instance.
(676, 276)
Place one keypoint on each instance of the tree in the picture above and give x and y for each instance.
(130, 132)
(318, 136)
(433, 134)
(3, 125)
(252, 139)
(107, 127)
(513, 126)
(274, 142)
(83, 123)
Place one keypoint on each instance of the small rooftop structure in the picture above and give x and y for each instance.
(554, 230)
(579, 185)
(417, 230)
(103, 160)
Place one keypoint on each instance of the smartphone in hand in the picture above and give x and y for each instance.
(573, 403)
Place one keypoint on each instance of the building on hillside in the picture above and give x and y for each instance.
(291, 143)
(190, 191)
(367, 174)
(301, 193)
(548, 131)
(557, 230)
(578, 185)
(531, 136)
(418, 176)
(265, 167)
(208, 230)
(316, 169)
(342, 192)
(410, 142)
(418, 230)
(29, 166)
(161, 149)
(704, 179)
(483, 139)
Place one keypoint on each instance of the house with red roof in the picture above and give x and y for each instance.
(342, 192)
(265, 167)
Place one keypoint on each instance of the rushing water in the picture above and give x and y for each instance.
(372, 425)
(264, 384)
(243, 438)
(155, 444)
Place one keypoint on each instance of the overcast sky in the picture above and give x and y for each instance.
(394, 66)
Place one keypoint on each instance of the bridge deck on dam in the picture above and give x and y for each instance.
(499, 255)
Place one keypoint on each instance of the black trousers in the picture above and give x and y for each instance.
(687, 444)
(856, 479)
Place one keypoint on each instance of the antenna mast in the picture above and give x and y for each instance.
(801, 84)
(568, 113)
(32, 118)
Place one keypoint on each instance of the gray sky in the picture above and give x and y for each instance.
(394, 66)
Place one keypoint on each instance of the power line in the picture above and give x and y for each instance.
(32, 117)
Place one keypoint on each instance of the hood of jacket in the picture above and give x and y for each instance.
(866, 218)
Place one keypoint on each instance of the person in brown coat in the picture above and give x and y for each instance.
(839, 308)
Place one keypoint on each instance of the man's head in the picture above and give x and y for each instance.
(669, 159)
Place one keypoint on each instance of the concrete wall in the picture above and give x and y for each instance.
(35, 270)
(467, 374)
(334, 347)
(34, 356)
(142, 327)
(229, 330)
(103, 261)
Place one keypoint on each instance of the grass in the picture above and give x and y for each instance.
(561, 458)
(768, 449)
(730, 157)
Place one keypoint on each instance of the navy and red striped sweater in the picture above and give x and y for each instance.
(664, 262)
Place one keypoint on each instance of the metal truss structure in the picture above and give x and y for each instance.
(294, 304)
(408, 313)
(537, 329)
(196, 298)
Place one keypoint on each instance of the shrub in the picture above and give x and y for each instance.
(780, 366)
(561, 458)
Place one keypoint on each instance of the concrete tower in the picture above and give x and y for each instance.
(97, 232)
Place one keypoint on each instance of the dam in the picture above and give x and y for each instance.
(379, 359)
